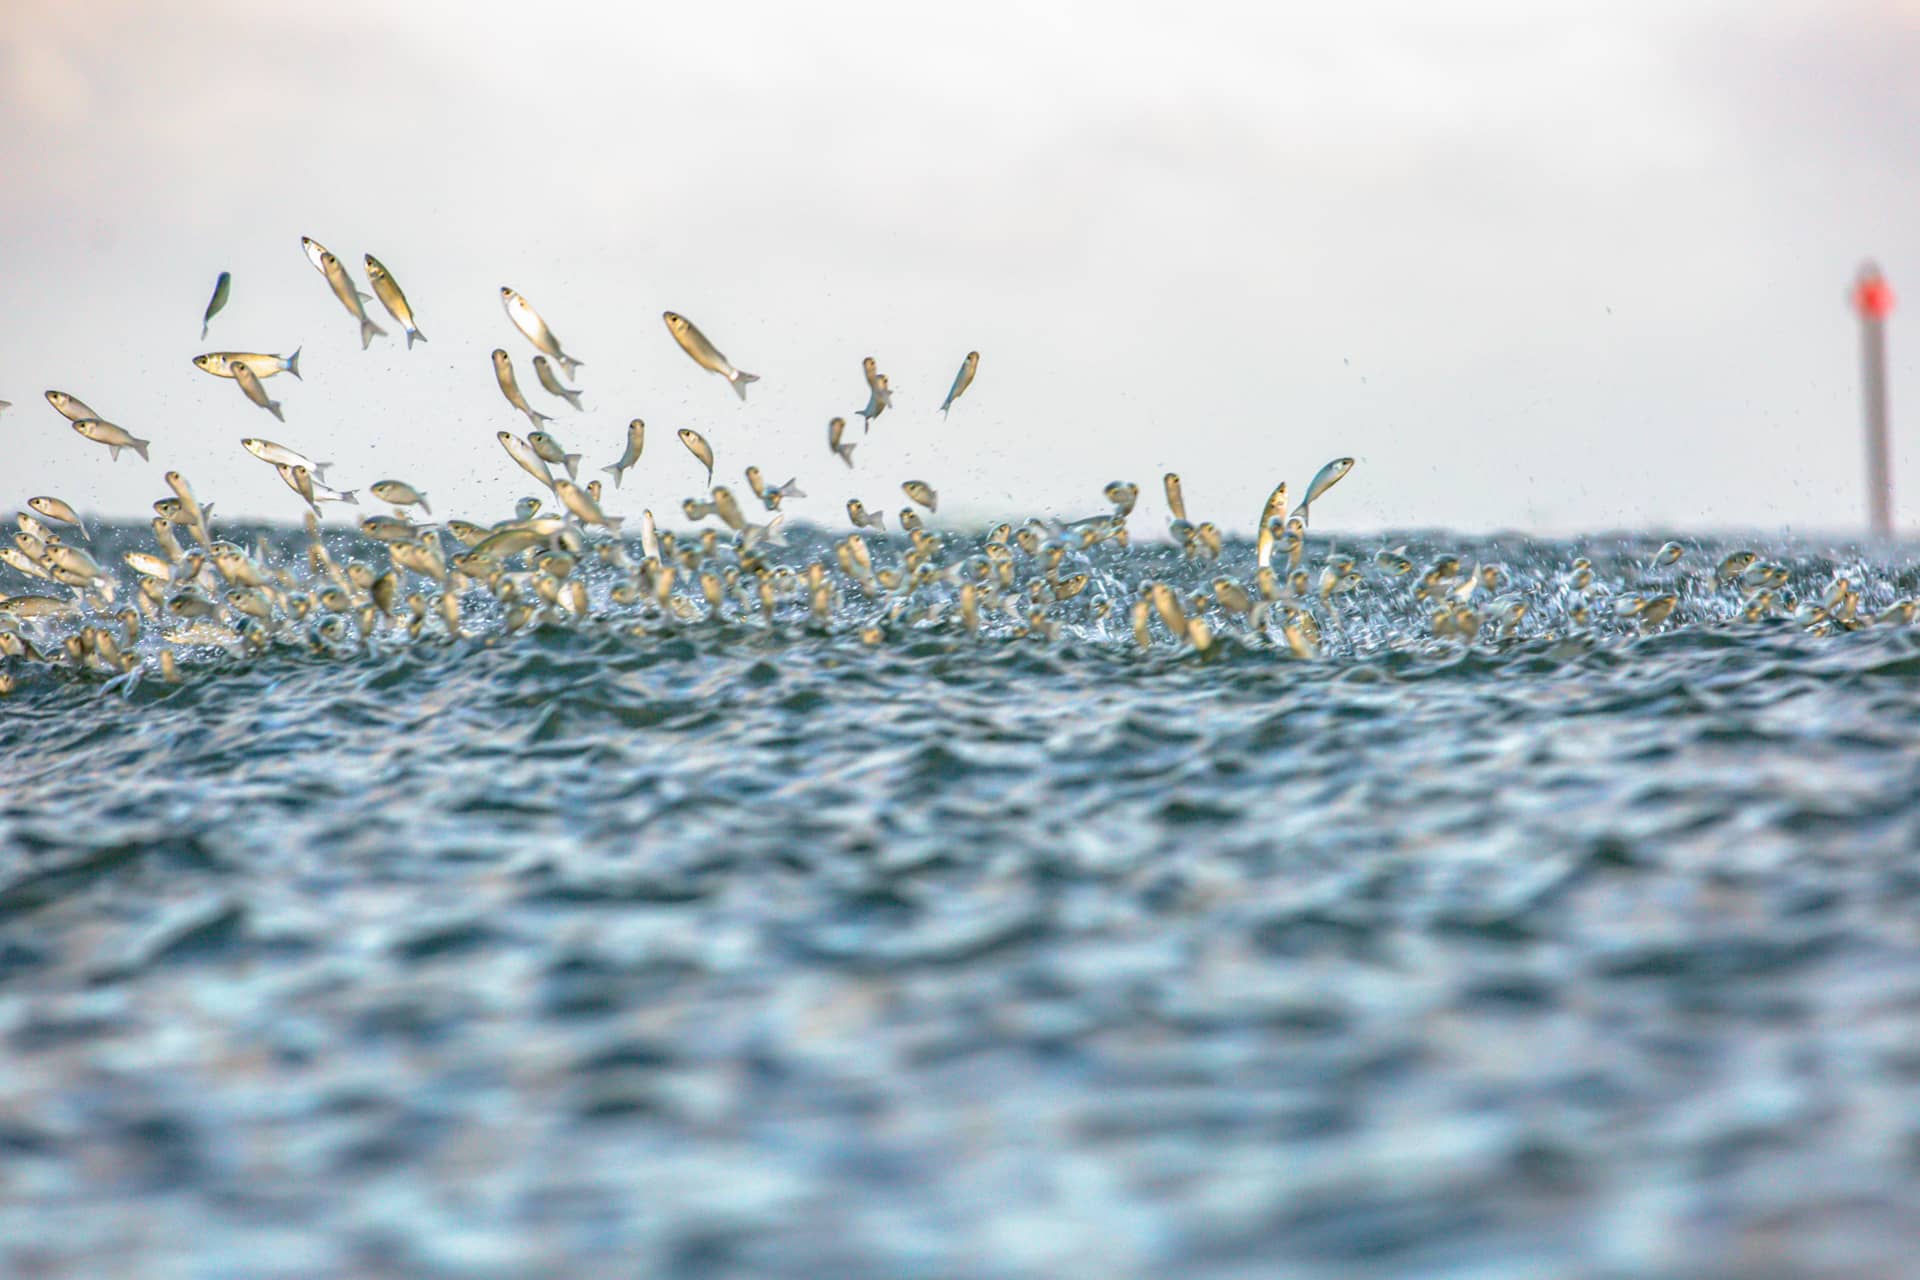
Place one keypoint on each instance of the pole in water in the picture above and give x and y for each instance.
(1873, 299)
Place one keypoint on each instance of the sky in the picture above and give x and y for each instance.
(1536, 265)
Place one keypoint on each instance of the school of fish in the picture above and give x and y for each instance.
(203, 594)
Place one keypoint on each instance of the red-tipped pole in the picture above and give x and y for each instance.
(1873, 299)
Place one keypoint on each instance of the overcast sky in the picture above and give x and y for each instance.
(1541, 265)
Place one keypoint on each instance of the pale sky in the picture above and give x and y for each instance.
(1555, 266)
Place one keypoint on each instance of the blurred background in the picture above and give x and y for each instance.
(1555, 267)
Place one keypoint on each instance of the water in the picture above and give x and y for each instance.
(696, 948)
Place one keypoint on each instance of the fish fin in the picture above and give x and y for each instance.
(846, 454)
(572, 398)
(740, 380)
(113, 453)
(613, 523)
(203, 331)
(616, 471)
(571, 462)
(537, 416)
(879, 521)
(347, 495)
(364, 297)
(293, 364)
(568, 364)
(413, 336)
(788, 491)
(273, 407)
(368, 332)
(423, 504)
(319, 471)
(139, 446)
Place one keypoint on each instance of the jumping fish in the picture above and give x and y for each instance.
(250, 384)
(280, 456)
(704, 353)
(699, 448)
(922, 492)
(835, 431)
(399, 494)
(115, 438)
(523, 453)
(636, 441)
(510, 386)
(72, 408)
(388, 291)
(528, 322)
(219, 363)
(544, 372)
(221, 288)
(553, 453)
(343, 288)
(1323, 479)
(961, 381)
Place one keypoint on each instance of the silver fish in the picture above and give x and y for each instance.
(54, 509)
(1323, 479)
(699, 448)
(704, 353)
(250, 384)
(263, 365)
(961, 380)
(279, 455)
(510, 387)
(636, 441)
(221, 288)
(72, 408)
(544, 372)
(551, 451)
(582, 505)
(115, 438)
(388, 291)
(922, 492)
(835, 431)
(398, 493)
(522, 452)
(528, 322)
(343, 288)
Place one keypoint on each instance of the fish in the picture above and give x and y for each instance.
(280, 456)
(862, 519)
(115, 438)
(582, 505)
(388, 529)
(398, 493)
(72, 408)
(552, 452)
(38, 607)
(1273, 522)
(54, 509)
(1123, 496)
(961, 381)
(342, 285)
(221, 287)
(922, 492)
(510, 387)
(699, 448)
(528, 322)
(250, 384)
(530, 462)
(1176, 502)
(301, 481)
(219, 363)
(388, 291)
(1733, 566)
(649, 536)
(704, 353)
(5, 405)
(1323, 479)
(835, 430)
(544, 372)
(772, 495)
(525, 508)
(636, 441)
(316, 253)
(879, 393)
(1666, 555)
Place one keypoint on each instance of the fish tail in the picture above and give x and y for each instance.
(203, 331)
(347, 495)
(138, 446)
(368, 332)
(616, 471)
(879, 521)
(613, 523)
(413, 336)
(846, 454)
(364, 296)
(319, 471)
(293, 364)
(537, 416)
(273, 407)
(740, 380)
(572, 463)
(423, 504)
(572, 398)
(569, 364)
(788, 490)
